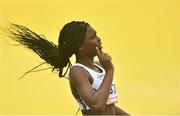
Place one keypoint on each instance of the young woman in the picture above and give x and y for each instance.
(91, 83)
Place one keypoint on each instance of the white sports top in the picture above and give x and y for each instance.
(97, 80)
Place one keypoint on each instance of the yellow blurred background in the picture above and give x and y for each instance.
(141, 36)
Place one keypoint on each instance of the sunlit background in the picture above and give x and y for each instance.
(141, 36)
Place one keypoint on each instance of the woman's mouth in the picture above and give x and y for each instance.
(100, 46)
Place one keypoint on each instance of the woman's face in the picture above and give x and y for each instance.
(90, 42)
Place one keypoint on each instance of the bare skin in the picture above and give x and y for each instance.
(80, 80)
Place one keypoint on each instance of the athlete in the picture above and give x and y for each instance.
(91, 82)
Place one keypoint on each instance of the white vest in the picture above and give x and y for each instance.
(97, 80)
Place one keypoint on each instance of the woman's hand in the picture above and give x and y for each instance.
(105, 60)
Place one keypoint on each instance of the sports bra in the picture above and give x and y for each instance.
(97, 80)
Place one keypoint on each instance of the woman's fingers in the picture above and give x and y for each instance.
(104, 59)
(101, 55)
(98, 52)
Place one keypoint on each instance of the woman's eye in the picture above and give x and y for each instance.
(93, 36)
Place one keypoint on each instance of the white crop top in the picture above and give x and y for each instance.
(97, 80)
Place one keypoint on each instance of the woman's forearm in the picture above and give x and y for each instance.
(102, 94)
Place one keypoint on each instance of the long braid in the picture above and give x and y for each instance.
(70, 38)
(37, 43)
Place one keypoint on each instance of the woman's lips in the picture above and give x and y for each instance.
(100, 46)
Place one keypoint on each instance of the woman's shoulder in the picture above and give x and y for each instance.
(78, 74)
(77, 70)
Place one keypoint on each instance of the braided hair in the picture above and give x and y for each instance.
(58, 56)
(70, 39)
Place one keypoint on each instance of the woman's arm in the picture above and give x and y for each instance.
(96, 100)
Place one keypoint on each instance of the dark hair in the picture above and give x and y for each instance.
(70, 38)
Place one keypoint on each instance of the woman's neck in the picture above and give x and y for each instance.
(89, 62)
